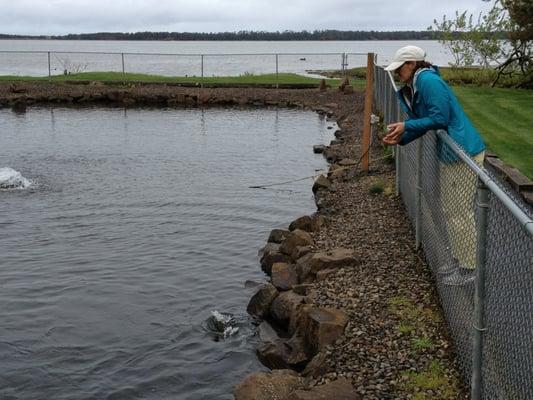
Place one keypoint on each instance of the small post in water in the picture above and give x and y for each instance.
(49, 66)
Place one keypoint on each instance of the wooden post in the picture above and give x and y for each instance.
(369, 99)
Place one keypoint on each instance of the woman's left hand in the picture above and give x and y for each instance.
(395, 133)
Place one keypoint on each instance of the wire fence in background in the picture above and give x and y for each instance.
(49, 63)
(478, 240)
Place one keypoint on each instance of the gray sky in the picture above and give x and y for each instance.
(51, 17)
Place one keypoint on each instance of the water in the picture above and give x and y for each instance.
(137, 226)
(239, 58)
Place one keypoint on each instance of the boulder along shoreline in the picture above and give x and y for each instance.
(351, 310)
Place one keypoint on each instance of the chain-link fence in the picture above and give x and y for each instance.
(478, 240)
(49, 63)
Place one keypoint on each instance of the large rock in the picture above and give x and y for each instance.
(305, 223)
(294, 239)
(318, 327)
(283, 353)
(339, 257)
(332, 153)
(321, 182)
(303, 268)
(319, 148)
(341, 389)
(300, 251)
(267, 333)
(284, 276)
(317, 366)
(284, 305)
(319, 221)
(277, 235)
(260, 302)
(271, 254)
(275, 385)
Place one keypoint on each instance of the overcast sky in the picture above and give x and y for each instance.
(52, 17)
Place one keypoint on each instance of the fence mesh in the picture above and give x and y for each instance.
(449, 237)
(42, 63)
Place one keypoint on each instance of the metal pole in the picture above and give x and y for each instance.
(418, 198)
(397, 166)
(49, 68)
(123, 70)
(342, 65)
(202, 62)
(277, 71)
(482, 207)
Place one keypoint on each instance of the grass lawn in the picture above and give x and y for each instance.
(118, 77)
(504, 117)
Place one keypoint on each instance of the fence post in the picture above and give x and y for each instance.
(369, 98)
(418, 197)
(202, 72)
(49, 66)
(123, 69)
(482, 206)
(397, 155)
(277, 71)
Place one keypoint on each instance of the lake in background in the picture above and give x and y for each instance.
(139, 224)
(221, 58)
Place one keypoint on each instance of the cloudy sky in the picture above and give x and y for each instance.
(51, 17)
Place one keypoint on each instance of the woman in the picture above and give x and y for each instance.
(430, 104)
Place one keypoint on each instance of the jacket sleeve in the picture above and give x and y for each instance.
(434, 94)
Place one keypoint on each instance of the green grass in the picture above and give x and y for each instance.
(422, 343)
(432, 378)
(377, 187)
(118, 77)
(504, 118)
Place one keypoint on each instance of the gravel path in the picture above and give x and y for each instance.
(396, 343)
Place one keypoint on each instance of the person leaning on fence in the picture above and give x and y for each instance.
(430, 104)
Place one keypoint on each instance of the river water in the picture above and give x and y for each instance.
(192, 58)
(137, 225)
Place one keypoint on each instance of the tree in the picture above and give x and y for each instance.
(502, 39)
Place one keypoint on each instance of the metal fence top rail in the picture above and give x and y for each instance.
(177, 54)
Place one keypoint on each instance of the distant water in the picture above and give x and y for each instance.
(220, 57)
(123, 265)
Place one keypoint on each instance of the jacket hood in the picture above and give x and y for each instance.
(432, 70)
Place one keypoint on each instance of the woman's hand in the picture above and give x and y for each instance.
(394, 134)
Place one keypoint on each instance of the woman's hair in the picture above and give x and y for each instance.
(422, 64)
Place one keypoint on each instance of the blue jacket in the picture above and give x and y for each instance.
(434, 106)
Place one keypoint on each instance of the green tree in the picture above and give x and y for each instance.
(501, 38)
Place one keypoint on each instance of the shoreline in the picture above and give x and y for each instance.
(392, 330)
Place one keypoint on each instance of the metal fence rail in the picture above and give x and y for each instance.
(49, 63)
(478, 241)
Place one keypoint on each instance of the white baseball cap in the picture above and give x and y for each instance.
(407, 53)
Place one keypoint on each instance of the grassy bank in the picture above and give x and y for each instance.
(504, 118)
(118, 77)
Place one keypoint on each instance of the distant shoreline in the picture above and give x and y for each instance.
(239, 36)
